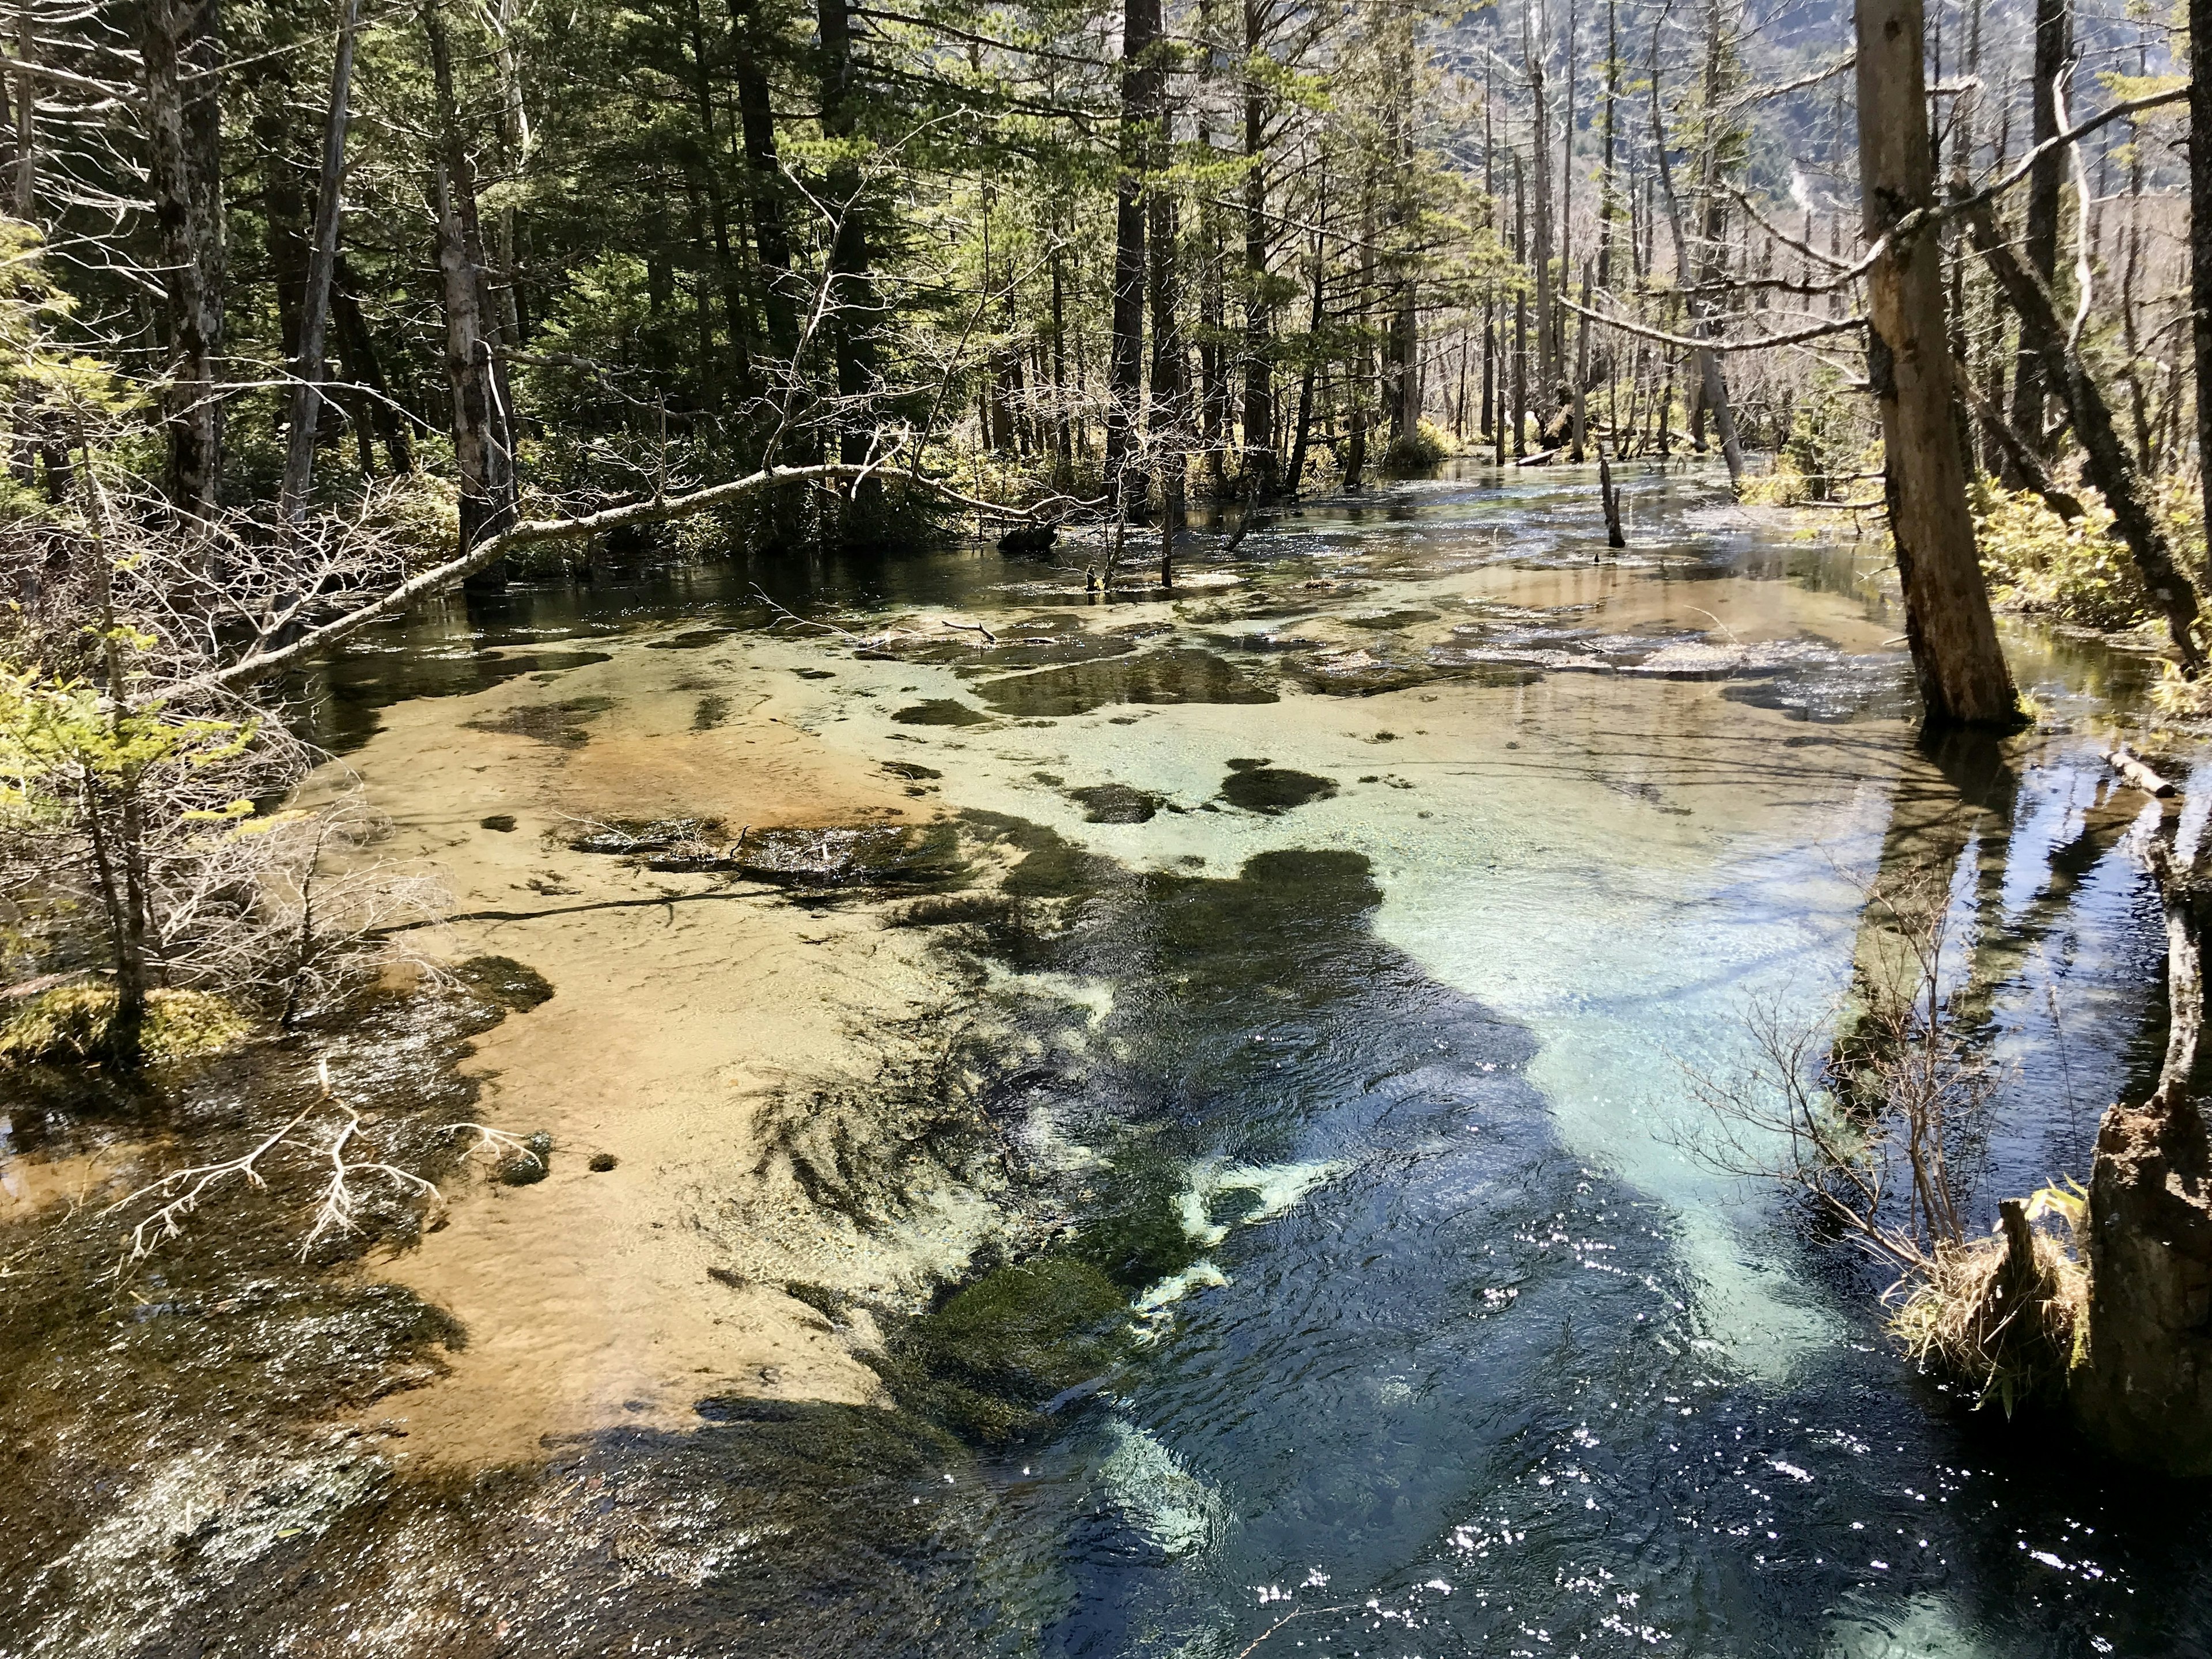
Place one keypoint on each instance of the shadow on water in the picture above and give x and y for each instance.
(1399, 1341)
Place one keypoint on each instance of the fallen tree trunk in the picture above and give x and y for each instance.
(532, 532)
(2133, 769)
(2109, 467)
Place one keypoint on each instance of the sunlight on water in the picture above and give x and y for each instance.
(1391, 888)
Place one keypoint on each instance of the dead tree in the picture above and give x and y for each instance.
(1141, 79)
(1711, 386)
(2111, 468)
(2144, 1390)
(483, 450)
(2200, 244)
(2053, 59)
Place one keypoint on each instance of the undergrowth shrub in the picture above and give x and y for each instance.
(1785, 485)
(2040, 564)
(69, 1025)
(1419, 451)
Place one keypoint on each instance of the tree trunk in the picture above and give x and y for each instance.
(483, 452)
(1520, 410)
(181, 49)
(1539, 153)
(1169, 415)
(1303, 434)
(708, 165)
(2200, 252)
(322, 260)
(1258, 366)
(1140, 28)
(1961, 668)
(1712, 389)
(2144, 1391)
(1063, 434)
(1606, 499)
(763, 188)
(358, 350)
(26, 180)
(2054, 48)
(1363, 370)
(853, 305)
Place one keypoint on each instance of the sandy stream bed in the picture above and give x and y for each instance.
(593, 1300)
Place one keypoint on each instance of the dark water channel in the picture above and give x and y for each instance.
(1442, 1341)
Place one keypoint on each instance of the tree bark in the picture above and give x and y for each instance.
(1259, 411)
(2200, 245)
(756, 121)
(1539, 153)
(1607, 497)
(1169, 416)
(1955, 655)
(708, 167)
(357, 349)
(2054, 47)
(2144, 1391)
(1711, 388)
(1140, 28)
(854, 311)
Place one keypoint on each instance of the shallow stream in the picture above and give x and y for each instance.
(1387, 888)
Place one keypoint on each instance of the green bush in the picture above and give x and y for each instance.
(1785, 485)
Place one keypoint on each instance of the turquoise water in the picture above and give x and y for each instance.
(1474, 1355)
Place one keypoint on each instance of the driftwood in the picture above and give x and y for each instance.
(2133, 770)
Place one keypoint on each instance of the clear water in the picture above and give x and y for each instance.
(1480, 1359)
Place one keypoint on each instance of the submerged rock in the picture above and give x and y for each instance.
(837, 856)
(987, 1361)
(1115, 803)
(940, 711)
(513, 986)
(1274, 788)
(560, 724)
(529, 1166)
(1184, 674)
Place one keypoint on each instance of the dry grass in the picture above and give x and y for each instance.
(1995, 1320)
